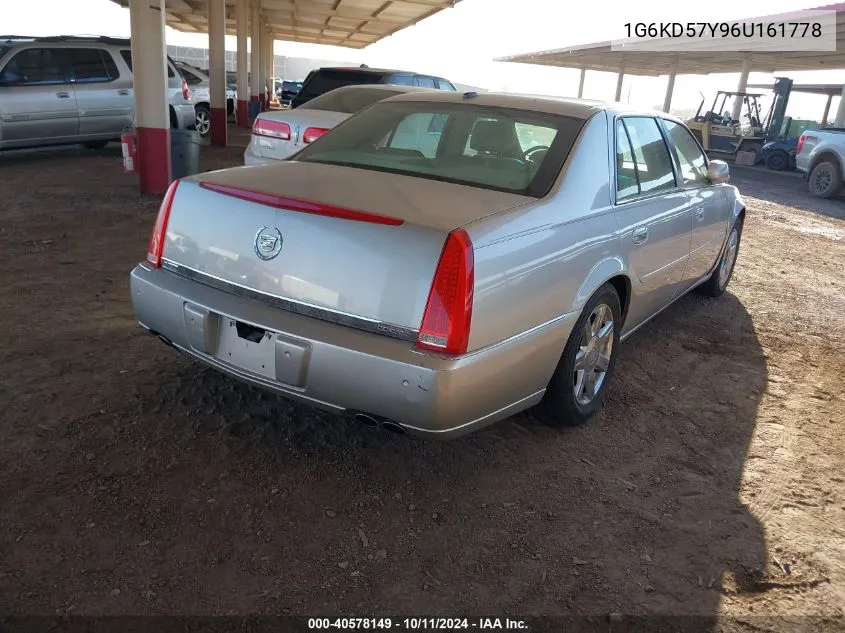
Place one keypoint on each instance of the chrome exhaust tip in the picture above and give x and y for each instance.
(365, 419)
(393, 427)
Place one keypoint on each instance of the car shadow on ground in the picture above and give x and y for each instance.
(638, 511)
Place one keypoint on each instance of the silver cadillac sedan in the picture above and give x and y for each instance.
(441, 261)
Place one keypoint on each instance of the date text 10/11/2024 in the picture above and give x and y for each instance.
(417, 624)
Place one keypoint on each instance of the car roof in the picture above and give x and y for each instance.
(374, 71)
(392, 87)
(565, 106)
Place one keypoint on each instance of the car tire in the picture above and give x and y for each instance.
(593, 344)
(96, 144)
(825, 180)
(202, 122)
(777, 160)
(721, 277)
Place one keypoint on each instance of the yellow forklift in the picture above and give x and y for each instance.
(723, 136)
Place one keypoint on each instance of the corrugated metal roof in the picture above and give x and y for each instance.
(349, 23)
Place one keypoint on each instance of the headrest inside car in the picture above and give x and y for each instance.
(492, 136)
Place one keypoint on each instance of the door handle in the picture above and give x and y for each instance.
(123, 92)
(63, 95)
(640, 234)
(699, 214)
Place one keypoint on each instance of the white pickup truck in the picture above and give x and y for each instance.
(820, 155)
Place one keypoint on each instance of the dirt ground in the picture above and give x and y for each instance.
(134, 481)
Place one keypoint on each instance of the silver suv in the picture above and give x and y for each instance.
(56, 90)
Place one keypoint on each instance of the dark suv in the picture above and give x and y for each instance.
(323, 80)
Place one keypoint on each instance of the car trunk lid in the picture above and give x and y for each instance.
(366, 247)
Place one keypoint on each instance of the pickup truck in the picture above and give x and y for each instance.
(820, 155)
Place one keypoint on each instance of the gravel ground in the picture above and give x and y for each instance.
(134, 481)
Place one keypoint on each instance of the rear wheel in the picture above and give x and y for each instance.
(777, 160)
(577, 388)
(203, 119)
(721, 277)
(825, 180)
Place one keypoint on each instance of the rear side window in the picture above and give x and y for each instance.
(324, 80)
(651, 158)
(91, 65)
(626, 170)
(127, 57)
(34, 66)
(472, 145)
(425, 82)
(401, 80)
(190, 77)
(349, 100)
(442, 84)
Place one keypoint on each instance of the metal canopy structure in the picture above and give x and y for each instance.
(702, 59)
(349, 23)
(602, 56)
(814, 89)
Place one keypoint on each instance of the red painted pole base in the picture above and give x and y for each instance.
(243, 113)
(218, 126)
(154, 167)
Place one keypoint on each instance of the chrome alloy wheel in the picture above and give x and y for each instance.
(203, 121)
(729, 258)
(593, 357)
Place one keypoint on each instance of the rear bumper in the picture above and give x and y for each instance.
(250, 158)
(342, 369)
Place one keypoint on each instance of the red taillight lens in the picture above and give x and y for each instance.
(801, 140)
(271, 128)
(448, 313)
(156, 247)
(313, 133)
(185, 93)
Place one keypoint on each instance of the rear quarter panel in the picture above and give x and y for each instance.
(830, 144)
(543, 260)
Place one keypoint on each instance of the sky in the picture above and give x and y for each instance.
(461, 43)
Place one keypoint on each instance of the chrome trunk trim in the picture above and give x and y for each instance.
(297, 307)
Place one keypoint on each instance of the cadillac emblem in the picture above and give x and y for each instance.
(268, 242)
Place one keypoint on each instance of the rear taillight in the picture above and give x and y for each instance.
(156, 247)
(271, 128)
(801, 140)
(448, 312)
(185, 93)
(313, 133)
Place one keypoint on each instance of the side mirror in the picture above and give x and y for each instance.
(718, 172)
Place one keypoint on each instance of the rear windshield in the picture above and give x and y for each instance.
(324, 80)
(348, 100)
(517, 151)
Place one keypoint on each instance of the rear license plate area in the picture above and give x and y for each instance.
(265, 353)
